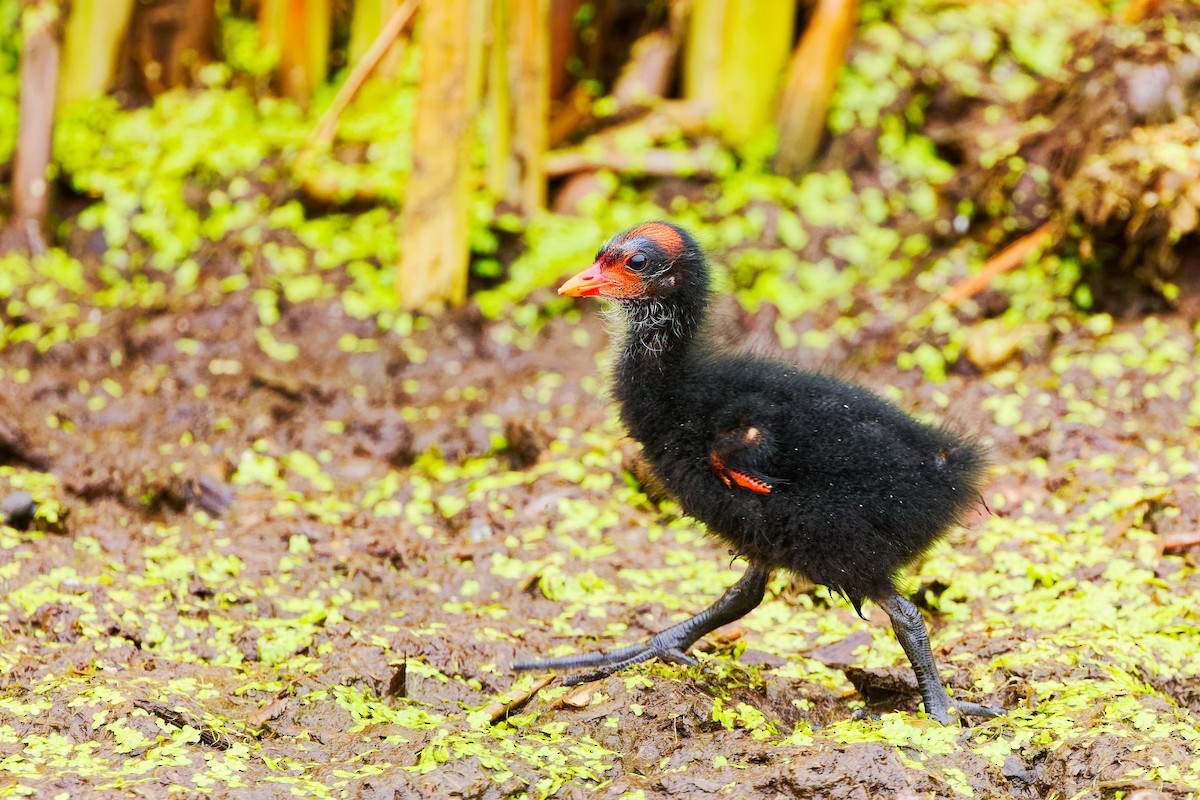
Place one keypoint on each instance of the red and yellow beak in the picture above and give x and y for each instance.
(603, 279)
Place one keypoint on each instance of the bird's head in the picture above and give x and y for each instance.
(652, 261)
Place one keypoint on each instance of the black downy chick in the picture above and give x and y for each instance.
(793, 469)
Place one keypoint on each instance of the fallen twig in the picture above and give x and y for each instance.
(322, 135)
(514, 700)
(605, 150)
(1173, 542)
(655, 161)
(1007, 259)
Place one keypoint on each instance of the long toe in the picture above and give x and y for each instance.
(976, 710)
(613, 661)
(603, 658)
(614, 667)
(957, 712)
(677, 656)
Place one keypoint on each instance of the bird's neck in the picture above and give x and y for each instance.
(662, 345)
(658, 334)
(654, 369)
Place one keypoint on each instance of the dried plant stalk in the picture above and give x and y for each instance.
(529, 64)
(300, 30)
(92, 38)
(812, 77)
(736, 53)
(371, 18)
(35, 135)
(433, 221)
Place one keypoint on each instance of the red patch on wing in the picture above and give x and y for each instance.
(749, 482)
(729, 476)
(661, 234)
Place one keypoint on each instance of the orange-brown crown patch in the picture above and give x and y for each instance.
(662, 234)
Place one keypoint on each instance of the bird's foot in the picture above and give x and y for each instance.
(669, 645)
(914, 638)
(947, 711)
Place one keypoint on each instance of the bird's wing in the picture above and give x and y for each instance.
(738, 455)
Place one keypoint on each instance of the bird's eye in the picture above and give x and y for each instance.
(637, 261)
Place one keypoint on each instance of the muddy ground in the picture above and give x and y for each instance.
(251, 577)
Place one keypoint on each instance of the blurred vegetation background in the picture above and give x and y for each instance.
(421, 145)
(297, 503)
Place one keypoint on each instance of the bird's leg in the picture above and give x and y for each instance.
(914, 638)
(670, 644)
